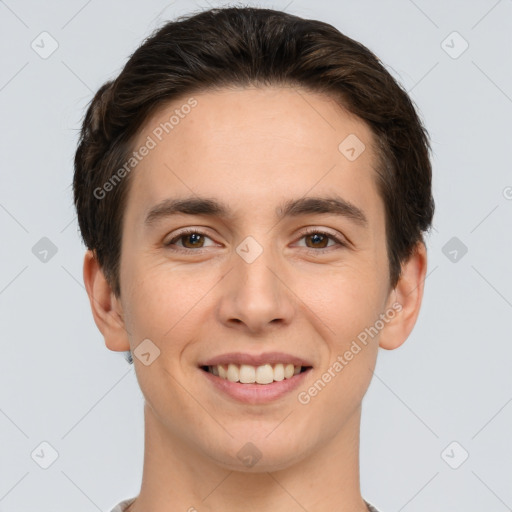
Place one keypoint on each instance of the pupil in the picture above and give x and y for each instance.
(316, 237)
(193, 237)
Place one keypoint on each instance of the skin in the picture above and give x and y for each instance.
(252, 148)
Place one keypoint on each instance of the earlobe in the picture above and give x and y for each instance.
(106, 308)
(406, 300)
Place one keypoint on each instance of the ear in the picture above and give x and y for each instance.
(106, 307)
(406, 301)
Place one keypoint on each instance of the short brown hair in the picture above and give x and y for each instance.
(247, 46)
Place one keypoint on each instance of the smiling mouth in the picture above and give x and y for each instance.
(247, 374)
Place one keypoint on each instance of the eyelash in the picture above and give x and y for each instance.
(310, 231)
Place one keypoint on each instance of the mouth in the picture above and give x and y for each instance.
(255, 378)
(255, 385)
(264, 374)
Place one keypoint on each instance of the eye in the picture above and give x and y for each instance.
(192, 237)
(320, 238)
(194, 240)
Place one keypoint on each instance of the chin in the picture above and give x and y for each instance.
(248, 454)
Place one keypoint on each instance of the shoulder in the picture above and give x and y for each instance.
(123, 505)
(371, 508)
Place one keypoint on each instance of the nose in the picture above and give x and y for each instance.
(256, 295)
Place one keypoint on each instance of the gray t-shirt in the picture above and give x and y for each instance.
(123, 505)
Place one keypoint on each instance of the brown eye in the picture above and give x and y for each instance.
(318, 240)
(191, 239)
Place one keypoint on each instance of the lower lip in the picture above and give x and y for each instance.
(256, 393)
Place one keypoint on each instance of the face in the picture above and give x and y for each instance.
(272, 277)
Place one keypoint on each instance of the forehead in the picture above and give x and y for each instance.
(253, 146)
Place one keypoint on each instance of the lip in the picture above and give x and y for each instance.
(256, 393)
(255, 359)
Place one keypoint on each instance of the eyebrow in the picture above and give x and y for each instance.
(292, 208)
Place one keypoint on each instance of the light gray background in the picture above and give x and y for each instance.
(452, 379)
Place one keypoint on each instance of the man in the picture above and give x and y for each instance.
(252, 190)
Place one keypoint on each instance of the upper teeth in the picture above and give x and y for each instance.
(247, 374)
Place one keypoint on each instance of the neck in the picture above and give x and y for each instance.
(176, 475)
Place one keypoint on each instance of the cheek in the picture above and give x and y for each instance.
(346, 299)
(163, 301)
(347, 306)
